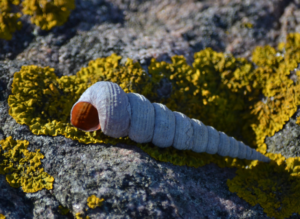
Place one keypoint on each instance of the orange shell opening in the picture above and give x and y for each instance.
(85, 117)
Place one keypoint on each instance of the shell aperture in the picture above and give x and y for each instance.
(85, 117)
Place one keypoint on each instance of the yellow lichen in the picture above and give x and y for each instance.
(274, 186)
(281, 93)
(43, 101)
(293, 166)
(93, 201)
(45, 14)
(8, 21)
(81, 216)
(298, 120)
(21, 167)
(271, 185)
(248, 25)
(48, 13)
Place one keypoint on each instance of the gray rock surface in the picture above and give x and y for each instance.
(13, 202)
(133, 184)
(286, 141)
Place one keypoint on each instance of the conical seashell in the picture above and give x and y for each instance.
(105, 105)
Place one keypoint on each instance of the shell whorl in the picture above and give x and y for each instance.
(120, 114)
(164, 126)
(142, 118)
(112, 106)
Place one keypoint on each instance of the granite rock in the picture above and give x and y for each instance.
(132, 183)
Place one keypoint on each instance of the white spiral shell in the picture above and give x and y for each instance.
(105, 105)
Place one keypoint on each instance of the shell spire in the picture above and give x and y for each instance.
(106, 106)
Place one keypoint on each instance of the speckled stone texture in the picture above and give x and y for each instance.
(133, 184)
(287, 140)
(145, 29)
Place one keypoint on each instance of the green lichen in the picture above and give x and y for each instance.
(21, 167)
(9, 22)
(48, 13)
